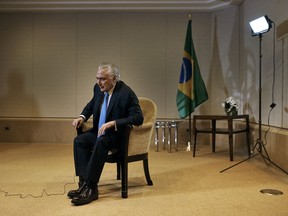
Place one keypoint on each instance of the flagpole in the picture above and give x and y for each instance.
(190, 108)
(190, 136)
(191, 88)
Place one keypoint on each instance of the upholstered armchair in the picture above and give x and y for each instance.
(140, 137)
(136, 142)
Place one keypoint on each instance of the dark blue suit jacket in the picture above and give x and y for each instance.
(123, 107)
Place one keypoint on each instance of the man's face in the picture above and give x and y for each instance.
(104, 80)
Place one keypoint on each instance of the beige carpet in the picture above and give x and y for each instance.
(183, 185)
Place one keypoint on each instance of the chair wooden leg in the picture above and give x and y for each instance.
(146, 171)
(124, 179)
(118, 170)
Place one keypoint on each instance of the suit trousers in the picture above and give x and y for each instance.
(90, 154)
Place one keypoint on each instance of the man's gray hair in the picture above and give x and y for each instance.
(112, 69)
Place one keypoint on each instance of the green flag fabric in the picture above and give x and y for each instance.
(191, 88)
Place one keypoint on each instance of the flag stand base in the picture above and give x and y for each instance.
(188, 147)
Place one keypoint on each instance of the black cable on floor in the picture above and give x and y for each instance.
(44, 192)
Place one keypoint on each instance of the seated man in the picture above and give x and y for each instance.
(121, 108)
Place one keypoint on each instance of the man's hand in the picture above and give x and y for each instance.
(106, 126)
(77, 122)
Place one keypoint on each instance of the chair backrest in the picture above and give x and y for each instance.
(140, 136)
(149, 109)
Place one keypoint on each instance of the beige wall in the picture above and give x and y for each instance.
(49, 60)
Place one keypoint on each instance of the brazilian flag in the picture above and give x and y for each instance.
(191, 89)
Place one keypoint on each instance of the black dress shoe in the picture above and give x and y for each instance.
(72, 193)
(87, 195)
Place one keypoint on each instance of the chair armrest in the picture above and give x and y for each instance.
(84, 127)
(138, 129)
(140, 139)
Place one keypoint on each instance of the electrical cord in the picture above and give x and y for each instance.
(273, 80)
(266, 132)
(273, 104)
(44, 192)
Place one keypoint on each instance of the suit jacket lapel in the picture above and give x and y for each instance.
(113, 100)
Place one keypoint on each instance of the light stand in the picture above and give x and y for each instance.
(259, 145)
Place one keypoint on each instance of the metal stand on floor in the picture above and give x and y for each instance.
(259, 146)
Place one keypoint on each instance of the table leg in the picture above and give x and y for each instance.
(156, 139)
(213, 134)
(176, 136)
(195, 138)
(163, 135)
(230, 133)
(247, 136)
(169, 137)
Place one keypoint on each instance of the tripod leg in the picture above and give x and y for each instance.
(260, 147)
(267, 158)
(238, 163)
(254, 147)
(265, 150)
